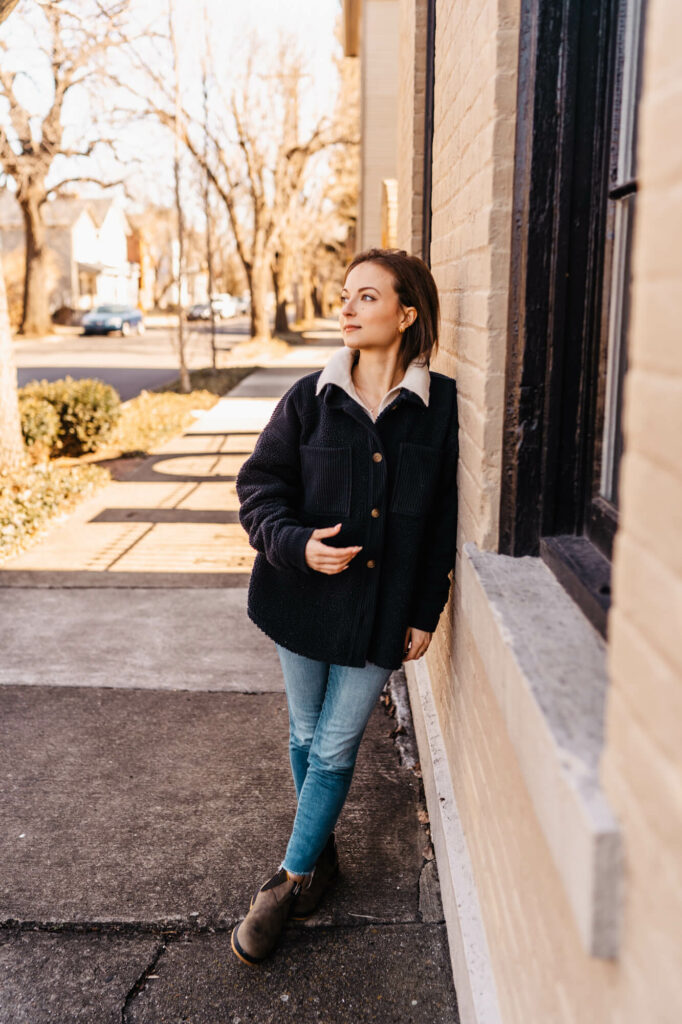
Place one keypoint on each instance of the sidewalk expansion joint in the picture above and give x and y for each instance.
(130, 547)
(186, 931)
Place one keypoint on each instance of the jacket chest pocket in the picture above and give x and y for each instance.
(416, 478)
(326, 480)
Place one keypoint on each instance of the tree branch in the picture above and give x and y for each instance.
(56, 189)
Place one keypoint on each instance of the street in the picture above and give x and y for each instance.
(128, 364)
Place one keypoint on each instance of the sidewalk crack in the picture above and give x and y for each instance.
(141, 981)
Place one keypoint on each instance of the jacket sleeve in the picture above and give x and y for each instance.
(269, 486)
(437, 554)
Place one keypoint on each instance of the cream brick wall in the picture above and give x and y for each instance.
(642, 764)
(542, 972)
(411, 96)
(475, 102)
(379, 112)
(473, 155)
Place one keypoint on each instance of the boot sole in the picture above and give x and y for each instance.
(250, 961)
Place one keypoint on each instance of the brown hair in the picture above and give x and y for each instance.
(415, 286)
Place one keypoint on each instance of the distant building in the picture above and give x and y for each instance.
(91, 244)
(378, 22)
(539, 170)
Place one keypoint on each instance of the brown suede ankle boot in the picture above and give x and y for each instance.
(257, 935)
(326, 870)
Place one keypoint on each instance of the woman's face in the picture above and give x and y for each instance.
(371, 316)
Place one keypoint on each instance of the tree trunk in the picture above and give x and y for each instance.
(328, 297)
(12, 452)
(315, 298)
(36, 314)
(307, 289)
(281, 319)
(281, 279)
(260, 321)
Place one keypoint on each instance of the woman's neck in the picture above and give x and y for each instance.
(375, 373)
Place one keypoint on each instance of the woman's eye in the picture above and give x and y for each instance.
(368, 297)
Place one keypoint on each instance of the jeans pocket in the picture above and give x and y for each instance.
(326, 479)
(416, 478)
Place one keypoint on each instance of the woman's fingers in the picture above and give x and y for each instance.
(416, 644)
(325, 531)
(324, 558)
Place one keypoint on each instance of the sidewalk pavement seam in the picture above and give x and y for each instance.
(130, 547)
(174, 931)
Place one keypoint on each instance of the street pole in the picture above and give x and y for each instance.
(185, 385)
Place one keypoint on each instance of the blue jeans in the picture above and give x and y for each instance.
(329, 707)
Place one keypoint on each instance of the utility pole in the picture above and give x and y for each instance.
(185, 385)
(207, 196)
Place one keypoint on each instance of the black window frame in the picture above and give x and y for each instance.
(561, 249)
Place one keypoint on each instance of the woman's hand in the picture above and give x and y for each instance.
(416, 643)
(324, 558)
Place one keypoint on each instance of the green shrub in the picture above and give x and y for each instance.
(87, 410)
(39, 421)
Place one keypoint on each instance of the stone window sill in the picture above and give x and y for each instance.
(547, 667)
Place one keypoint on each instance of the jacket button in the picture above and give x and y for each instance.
(375, 513)
(377, 456)
(371, 563)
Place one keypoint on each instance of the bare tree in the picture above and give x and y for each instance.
(317, 237)
(257, 160)
(6, 7)
(29, 144)
(12, 453)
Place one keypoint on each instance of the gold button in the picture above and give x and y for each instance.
(371, 563)
(375, 513)
(377, 457)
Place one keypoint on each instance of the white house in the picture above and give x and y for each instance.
(88, 241)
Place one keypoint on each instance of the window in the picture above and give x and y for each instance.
(574, 196)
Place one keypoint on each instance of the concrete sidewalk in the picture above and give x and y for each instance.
(145, 786)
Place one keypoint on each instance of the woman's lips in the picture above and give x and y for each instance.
(351, 327)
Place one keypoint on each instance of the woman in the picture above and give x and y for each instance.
(349, 498)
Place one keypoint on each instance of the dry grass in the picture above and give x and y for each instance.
(36, 495)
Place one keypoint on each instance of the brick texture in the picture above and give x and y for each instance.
(642, 764)
(541, 970)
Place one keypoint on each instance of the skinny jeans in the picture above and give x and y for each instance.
(329, 707)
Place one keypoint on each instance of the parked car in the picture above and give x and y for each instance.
(199, 311)
(224, 305)
(104, 319)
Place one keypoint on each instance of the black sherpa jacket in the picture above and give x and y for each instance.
(392, 484)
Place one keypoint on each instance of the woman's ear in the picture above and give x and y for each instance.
(409, 318)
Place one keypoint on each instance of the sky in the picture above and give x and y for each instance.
(308, 24)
